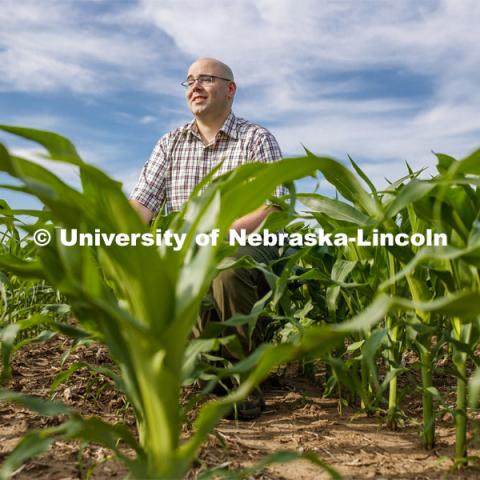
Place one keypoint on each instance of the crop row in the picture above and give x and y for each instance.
(357, 309)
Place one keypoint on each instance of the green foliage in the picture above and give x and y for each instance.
(355, 308)
(30, 308)
(143, 302)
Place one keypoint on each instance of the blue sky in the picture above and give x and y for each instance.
(383, 81)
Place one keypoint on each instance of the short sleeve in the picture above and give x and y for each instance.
(267, 150)
(150, 187)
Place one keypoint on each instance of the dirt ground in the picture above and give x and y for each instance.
(296, 418)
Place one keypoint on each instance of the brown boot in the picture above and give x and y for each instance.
(248, 409)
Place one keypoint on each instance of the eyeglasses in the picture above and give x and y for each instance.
(203, 80)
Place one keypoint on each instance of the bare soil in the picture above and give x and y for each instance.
(297, 417)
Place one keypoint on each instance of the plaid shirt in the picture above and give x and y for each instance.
(180, 160)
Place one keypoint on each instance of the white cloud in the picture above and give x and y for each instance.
(295, 64)
(279, 38)
(147, 119)
(286, 53)
(51, 45)
(129, 178)
(41, 121)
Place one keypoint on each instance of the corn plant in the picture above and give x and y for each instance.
(142, 302)
(422, 282)
(30, 310)
(450, 200)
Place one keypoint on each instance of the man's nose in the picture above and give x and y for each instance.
(196, 84)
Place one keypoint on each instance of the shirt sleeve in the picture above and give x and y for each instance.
(267, 150)
(150, 187)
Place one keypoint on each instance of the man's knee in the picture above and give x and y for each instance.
(230, 278)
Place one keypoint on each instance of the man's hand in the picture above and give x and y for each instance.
(252, 220)
(145, 213)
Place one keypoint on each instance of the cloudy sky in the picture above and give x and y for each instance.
(384, 81)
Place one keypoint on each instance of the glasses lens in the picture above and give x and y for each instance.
(202, 79)
(205, 79)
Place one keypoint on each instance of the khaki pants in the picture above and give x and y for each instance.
(235, 291)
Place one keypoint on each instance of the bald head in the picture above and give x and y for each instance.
(210, 101)
(213, 66)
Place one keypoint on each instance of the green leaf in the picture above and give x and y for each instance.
(38, 405)
(277, 457)
(33, 443)
(410, 193)
(340, 271)
(27, 268)
(363, 176)
(333, 208)
(8, 336)
(59, 147)
(474, 389)
(316, 340)
(470, 164)
(436, 255)
(347, 185)
(65, 375)
(444, 162)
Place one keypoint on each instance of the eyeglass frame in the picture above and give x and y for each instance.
(186, 85)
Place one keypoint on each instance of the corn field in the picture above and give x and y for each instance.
(354, 312)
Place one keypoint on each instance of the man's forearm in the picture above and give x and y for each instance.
(252, 220)
(249, 222)
(145, 213)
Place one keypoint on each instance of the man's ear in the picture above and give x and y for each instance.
(232, 88)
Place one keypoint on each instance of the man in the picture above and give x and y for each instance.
(185, 155)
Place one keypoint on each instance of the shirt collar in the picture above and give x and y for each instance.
(229, 127)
